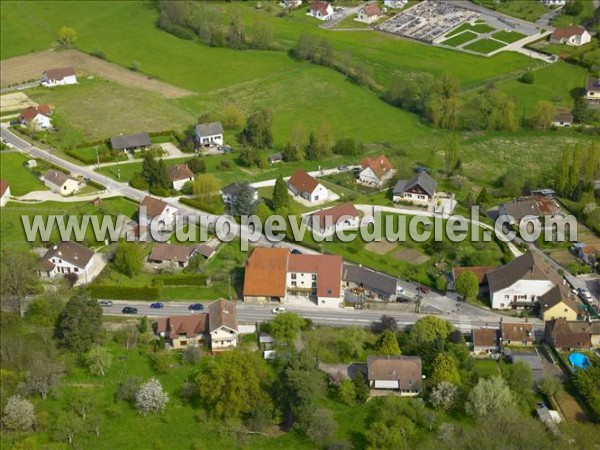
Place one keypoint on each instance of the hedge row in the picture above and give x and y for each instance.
(195, 203)
(126, 292)
(89, 160)
(182, 280)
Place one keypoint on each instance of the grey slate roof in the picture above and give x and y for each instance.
(422, 179)
(130, 141)
(521, 208)
(527, 266)
(275, 157)
(209, 129)
(381, 283)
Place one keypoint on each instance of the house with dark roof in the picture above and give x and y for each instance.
(60, 182)
(574, 35)
(59, 77)
(179, 174)
(307, 187)
(65, 258)
(217, 328)
(592, 88)
(275, 158)
(586, 252)
(419, 190)
(155, 213)
(568, 335)
(559, 302)
(375, 171)
(164, 252)
(340, 217)
(517, 210)
(36, 117)
(399, 373)
(368, 283)
(485, 340)
(369, 13)
(520, 283)
(562, 119)
(517, 334)
(230, 193)
(130, 142)
(208, 134)
(4, 192)
(274, 274)
(320, 10)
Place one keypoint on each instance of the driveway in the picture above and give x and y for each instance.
(338, 17)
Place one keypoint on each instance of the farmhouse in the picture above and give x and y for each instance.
(172, 253)
(320, 10)
(60, 182)
(568, 335)
(574, 35)
(516, 334)
(592, 88)
(130, 142)
(59, 77)
(208, 134)
(368, 283)
(558, 302)
(419, 190)
(230, 193)
(369, 13)
(399, 373)
(275, 274)
(179, 174)
(65, 258)
(158, 213)
(305, 186)
(485, 340)
(4, 192)
(520, 283)
(375, 171)
(562, 119)
(218, 329)
(340, 217)
(36, 117)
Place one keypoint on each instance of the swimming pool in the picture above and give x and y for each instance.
(579, 361)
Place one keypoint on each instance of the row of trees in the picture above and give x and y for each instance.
(577, 169)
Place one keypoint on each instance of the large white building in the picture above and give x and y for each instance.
(65, 258)
(209, 133)
(574, 36)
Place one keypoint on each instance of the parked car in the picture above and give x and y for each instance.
(585, 294)
(296, 251)
(225, 148)
(423, 289)
(343, 168)
(279, 310)
(129, 310)
(196, 307)
(157, 305)
(105, 303)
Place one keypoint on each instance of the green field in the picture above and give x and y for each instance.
(480, 27)
(20, 179)
(563, 20)
(508, 36)
(529, 10)
(459, 39)
(485, 46)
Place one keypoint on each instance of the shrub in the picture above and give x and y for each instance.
(138, 182)
(98, 53)
(182, 280)
(126, 292)
(527, 78)
(195, 203)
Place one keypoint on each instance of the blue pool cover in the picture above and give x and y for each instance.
(579, 361)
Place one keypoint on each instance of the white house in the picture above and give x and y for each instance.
(222, 325)
(155, 212)
(209, 133)
(59, 77)
(179, 174)
(574, 35)
(320, 10)
(552, 3)
(37, 117)
(369, 13)
(340, 217)
(399, 373)
(520, 283)
(375, 171)
(65, 258)
(60, 182)
(592, 88)
(305, 186)
(419, 190)
(4, 192)
(395, 4)
(291, 3)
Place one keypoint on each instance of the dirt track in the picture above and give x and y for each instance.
(30, 67)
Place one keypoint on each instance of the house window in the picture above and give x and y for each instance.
(506, 297)
(314, 284)
(183, 343)
(293, 276)
(294, 284)
(76, 269)
(314, 276)
(501, 305)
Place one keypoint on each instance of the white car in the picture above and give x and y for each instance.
(585, 293)
(279, 310)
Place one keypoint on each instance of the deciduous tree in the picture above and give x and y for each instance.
(79, 326)
(19, 414)
(467, 285)
(443, 396)
(489, 396)
(258, 132)
(128, 258)
(285, 327)
(67, 36)
(151, 398)
(206, 188)
(542, 116)
(98, 360)
(387, 344)
(17, 279)
(429, 329)
(444, 369)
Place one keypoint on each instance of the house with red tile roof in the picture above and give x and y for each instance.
(59, 77)
(369, 13)
(307, 187)
(340, 217)
(153, 211)
(399, 373)
(4, 192)
(36, 117)
(574, 35)
(320, 10)
(375, 171)
(180, 174)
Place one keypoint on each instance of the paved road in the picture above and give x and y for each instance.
(338, 17)
(343, 317)
(19, 87)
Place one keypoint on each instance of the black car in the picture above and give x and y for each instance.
(196, 307)
(296, 251)
(129, 310)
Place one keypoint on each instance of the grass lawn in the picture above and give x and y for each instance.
(486, 367)
(20, 179)
(522, 9)
(12, 234)
(563, 20)
(508, 36)
(484, 46)
(97, 109)
(459, 39)
(480, 27)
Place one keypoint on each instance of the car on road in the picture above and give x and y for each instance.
(157, 305)
(129, 310)
(105, 303)
(296, 251)
(343, 168)
(196, 307)
(585, 294)
(423, 289)
(279, 310)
